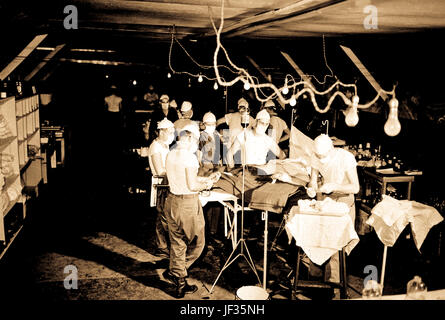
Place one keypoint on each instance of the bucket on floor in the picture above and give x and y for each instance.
(251, 293)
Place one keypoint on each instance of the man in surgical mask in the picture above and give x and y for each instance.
(165, 110)
(255, 144)
(210, 154)
(157, 154)
(334, 175)
(209, 143)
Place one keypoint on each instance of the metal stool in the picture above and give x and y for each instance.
(343, 285)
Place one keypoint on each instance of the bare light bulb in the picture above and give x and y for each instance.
(169, 75)
(246, 85)
(351, 116)
(293, 101)
(285, 90)
(215, 86)
(200, 78)
(392, 126)
(134, 82)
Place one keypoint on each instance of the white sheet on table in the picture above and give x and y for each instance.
(421, 217)
(320, 237)
(216, 196)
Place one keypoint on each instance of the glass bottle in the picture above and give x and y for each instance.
(416, 289)
(367, 151)
(372, 290)
(389, 161)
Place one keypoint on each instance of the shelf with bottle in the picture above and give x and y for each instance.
(365, 154)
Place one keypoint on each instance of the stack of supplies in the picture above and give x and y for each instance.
(325, 207)
(6, 162)
(5, 132)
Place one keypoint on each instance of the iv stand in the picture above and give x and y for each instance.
(241, 242)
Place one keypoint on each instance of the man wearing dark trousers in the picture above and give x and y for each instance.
(185, 217)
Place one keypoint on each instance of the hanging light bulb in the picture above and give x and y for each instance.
(246, 85)
(107, 76)
(285, 90)
(200, 78)
(293, 101)
(392, 126)
(215, 86)
(351, 116)
(169, 75)
(134, 82)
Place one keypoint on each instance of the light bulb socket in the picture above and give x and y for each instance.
(394, 103)
(355, 100)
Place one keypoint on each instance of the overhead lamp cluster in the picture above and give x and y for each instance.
(299, 88)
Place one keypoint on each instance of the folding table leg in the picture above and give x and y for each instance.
(344, 291)
(382, 278)
(297, 272)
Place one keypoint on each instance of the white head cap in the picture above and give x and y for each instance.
(165, 124)
(269, 104)
(243, 102)
(193, 128)
(173, 104)
(323, 144)
(209, 117)
(163, 98)
(186, 106)
(263, 115)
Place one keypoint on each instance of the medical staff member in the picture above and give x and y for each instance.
(234, 121)
(186, 114)
(210, 153)
(209, 142)
(339, 181)
(157, 154)
(255, 144)
(165, 110)
(185, 218)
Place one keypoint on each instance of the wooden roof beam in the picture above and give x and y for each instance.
(22, 56)
(44, 62)
(364, 71)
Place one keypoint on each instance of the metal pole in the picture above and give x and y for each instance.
(265, 213)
